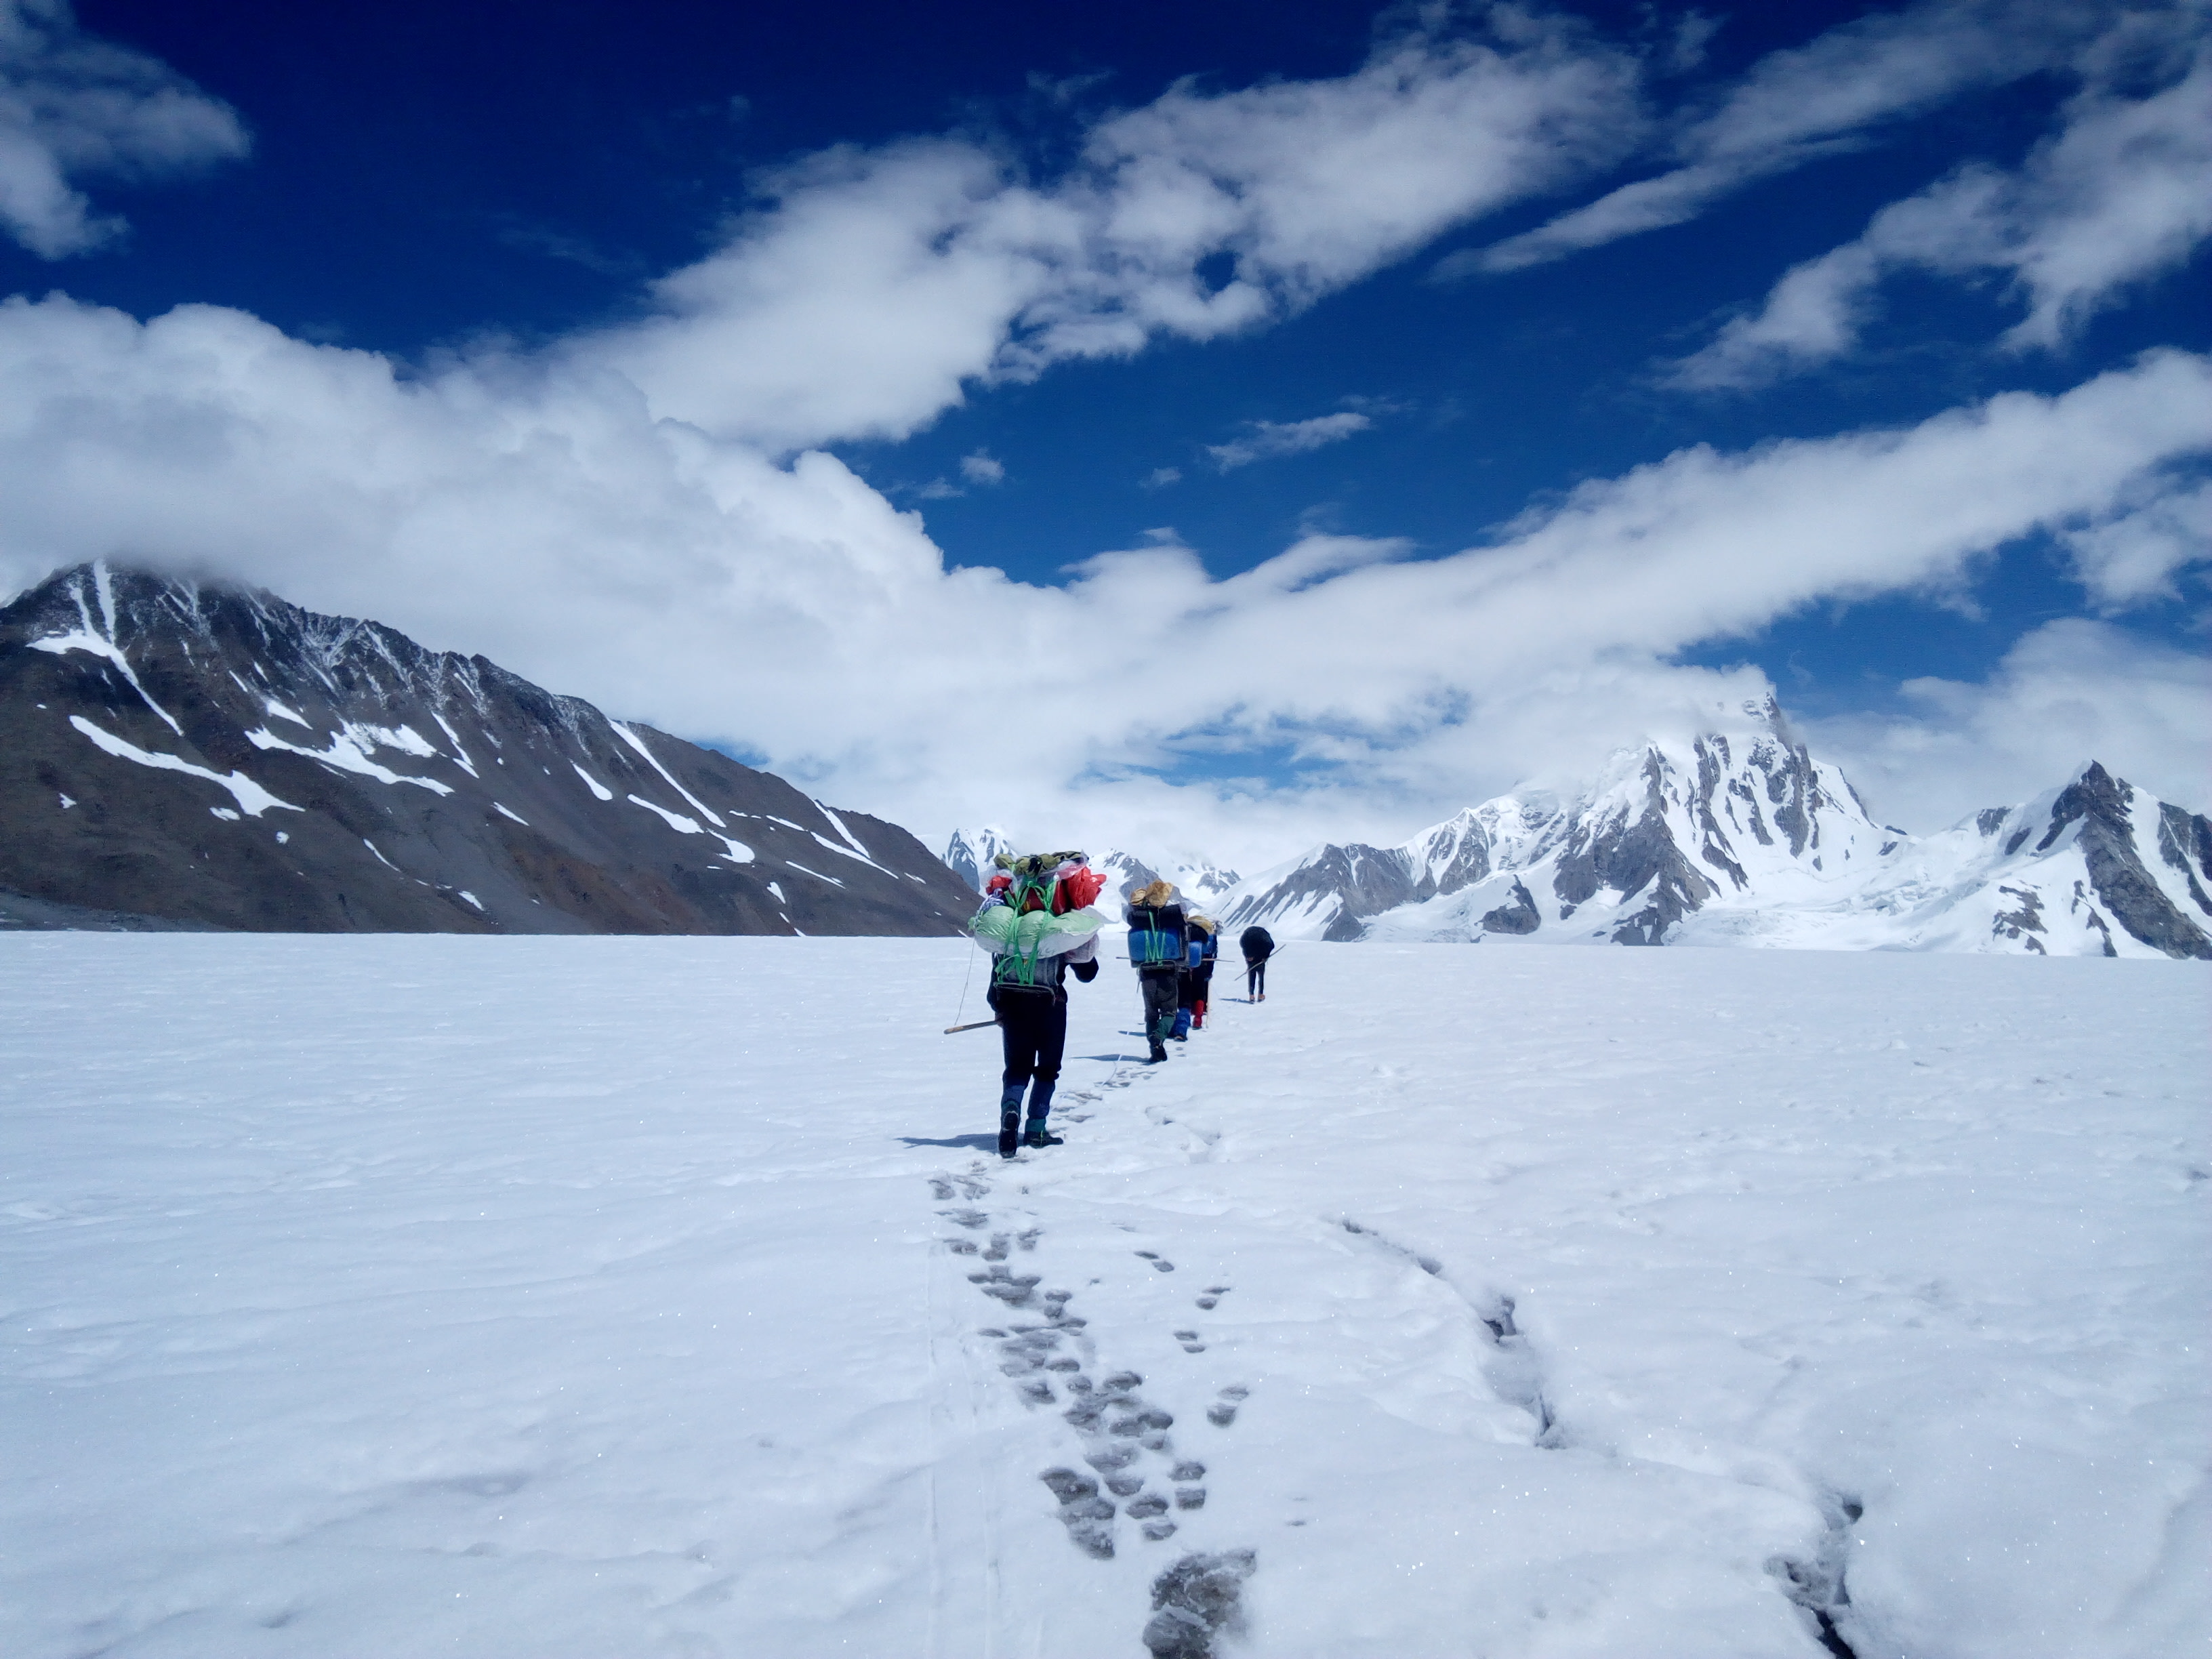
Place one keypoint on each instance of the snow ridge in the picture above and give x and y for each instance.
(1746, 839)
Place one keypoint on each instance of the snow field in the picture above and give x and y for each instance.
(559, 1296)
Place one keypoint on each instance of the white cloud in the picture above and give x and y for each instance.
(537, 513)
(1161, 476)
(634, 516)
(72, 106)
(1837, 92)
(1266, 439)
(2123, 193)
(871, 287)
(2072, 690)
(2133, 553)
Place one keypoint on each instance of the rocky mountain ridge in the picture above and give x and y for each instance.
(181, 753)
(1746, 839)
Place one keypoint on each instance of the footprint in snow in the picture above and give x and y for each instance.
(1015, 1289)
(1212, 1299)
(1119, 1427)
(1193, 1601)
(1222, 1412)
(1190, 1342)
(1189, 1494)
(1088, 1517)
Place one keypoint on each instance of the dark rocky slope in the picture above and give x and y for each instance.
(189, 753)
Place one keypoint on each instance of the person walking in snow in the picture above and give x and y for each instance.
(1159, 940)
(1029, 988)
(1258, 944)
(1197, 979)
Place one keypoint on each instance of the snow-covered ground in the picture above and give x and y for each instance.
(533, 1297)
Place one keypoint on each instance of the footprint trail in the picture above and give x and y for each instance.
(1125, 1465)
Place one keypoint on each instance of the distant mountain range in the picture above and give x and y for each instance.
(1740, 838)
(1747, 840)
(970, 852)
(183, 754)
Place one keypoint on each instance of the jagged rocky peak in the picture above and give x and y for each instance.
(1668, 822)
(2147, 862)
(970, 854)
(195, 752)
(1743, 836)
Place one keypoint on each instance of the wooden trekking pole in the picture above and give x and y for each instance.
(972, 1025)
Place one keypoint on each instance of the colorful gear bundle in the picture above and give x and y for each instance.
(1039, 905)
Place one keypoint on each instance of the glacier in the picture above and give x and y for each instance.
(539, 1295)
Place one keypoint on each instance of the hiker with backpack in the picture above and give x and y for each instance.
(1258, 945)
(1158, 942)
(1037, 924)
(1197, 981)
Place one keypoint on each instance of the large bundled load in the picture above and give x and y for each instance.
(1039, 905)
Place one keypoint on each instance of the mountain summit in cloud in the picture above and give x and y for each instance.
(215, 756)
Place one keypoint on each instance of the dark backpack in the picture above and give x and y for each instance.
(1257, 944)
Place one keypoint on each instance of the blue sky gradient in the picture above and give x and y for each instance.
(486, 197)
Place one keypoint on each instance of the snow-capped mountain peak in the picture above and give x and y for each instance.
(1744, 838)
(971, 853)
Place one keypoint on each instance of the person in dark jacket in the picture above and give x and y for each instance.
(1159, 940)
(1257, 945)
(1197, 979)
(1033, 1026)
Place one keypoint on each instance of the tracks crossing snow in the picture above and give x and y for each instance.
(547, 1304)
(1060, 1304)
(1126, 1466)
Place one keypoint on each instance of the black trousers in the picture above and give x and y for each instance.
(1033, 1026)
(1256, 976)
(1161, 991)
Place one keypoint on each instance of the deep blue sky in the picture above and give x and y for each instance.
(425, 177)
(424, 174)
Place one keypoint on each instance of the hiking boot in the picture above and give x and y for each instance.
(1040, 1136)
(1010, 1133)
(1159, 1053)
